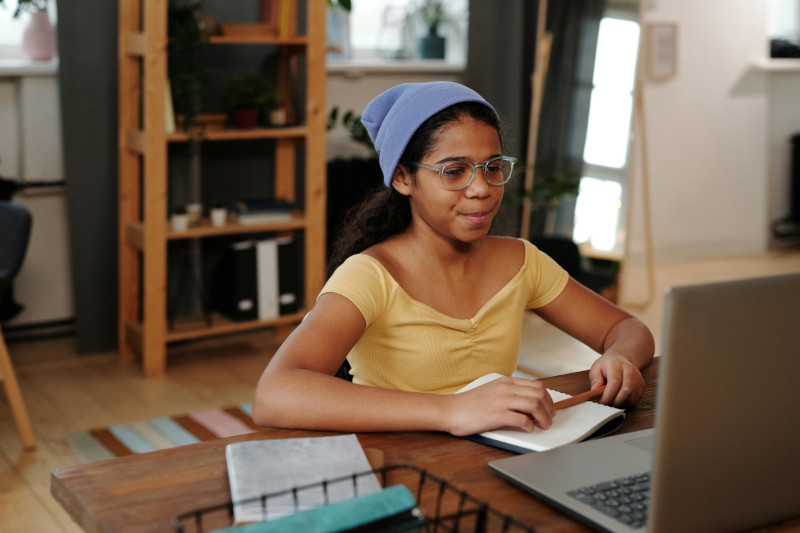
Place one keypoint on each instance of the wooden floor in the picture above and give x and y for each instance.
(66, 392)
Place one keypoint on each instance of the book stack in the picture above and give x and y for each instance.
(251, 212)
(259, 279)
(276, 16)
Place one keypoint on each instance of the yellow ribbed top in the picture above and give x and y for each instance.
(408, 345)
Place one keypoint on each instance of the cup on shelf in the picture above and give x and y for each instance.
(218, 216)
(277, 117)
(195, 212)
(179, 221)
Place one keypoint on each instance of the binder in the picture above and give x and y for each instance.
(289, 275)
(235, 291)
(267, 278)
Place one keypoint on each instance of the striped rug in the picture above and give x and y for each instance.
(160, 433)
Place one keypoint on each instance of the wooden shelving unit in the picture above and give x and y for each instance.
(143, 178)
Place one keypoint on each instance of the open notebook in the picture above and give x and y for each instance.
(573, 424)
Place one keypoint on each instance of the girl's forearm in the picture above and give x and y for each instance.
(631, 339)
(305, 399)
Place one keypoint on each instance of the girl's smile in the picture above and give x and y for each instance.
(477, 218)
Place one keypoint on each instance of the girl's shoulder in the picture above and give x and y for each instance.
(506, 254)
(382, 252)
(506, 248)
(386, 253)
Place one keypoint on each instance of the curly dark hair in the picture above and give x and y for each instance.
(386, 212)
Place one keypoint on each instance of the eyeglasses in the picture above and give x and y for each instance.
(458, 175)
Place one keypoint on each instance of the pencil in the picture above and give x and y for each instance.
(588, 395)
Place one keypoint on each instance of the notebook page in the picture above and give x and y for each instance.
(572, 424)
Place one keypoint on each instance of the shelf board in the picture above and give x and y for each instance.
(205, 229)
(778, 64)
(297, 40)
(227, 134)
(196, 328)
(189, 328)
(134, 231)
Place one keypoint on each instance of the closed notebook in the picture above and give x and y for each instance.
(265, 467)
(572, 424)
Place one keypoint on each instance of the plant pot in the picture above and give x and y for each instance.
(179, 221)
(38, 38)
(432, 46)
(245, 118)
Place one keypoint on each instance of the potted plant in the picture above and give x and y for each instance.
(247, 95)
(179, 221)
(38, 38)
(549, 189)
(352, 124)
(433, 14)
(187, 62)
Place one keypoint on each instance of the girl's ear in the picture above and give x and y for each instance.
(401, 181)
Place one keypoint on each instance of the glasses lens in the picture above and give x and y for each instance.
(498, 170)
(456, 175)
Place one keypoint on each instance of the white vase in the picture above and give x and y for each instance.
(38, 38)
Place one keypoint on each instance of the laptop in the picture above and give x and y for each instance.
(725, 451)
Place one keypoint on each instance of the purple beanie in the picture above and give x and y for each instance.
(393, 116)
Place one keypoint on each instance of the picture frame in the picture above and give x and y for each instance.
(661, 50)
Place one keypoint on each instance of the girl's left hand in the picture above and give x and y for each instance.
(624, 382)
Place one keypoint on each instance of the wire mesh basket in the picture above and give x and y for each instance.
(441, 507)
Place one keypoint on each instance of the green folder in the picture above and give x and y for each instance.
(391, 509)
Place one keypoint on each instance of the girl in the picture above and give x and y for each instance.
(421, 300)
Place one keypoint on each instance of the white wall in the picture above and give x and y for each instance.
(706, 133)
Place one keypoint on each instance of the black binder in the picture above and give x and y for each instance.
(235, 287)
(290, 275)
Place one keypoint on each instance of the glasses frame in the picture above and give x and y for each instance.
(475, 166)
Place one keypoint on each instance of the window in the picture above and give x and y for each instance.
(377, 28)
(389, 30)
(599, 204)
(10, 30)
(783, 20)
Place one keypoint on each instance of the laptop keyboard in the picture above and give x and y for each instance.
(625, 498)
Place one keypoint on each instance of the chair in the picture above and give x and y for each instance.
(15, 221)
(566, 253)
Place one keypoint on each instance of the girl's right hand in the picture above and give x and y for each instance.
(504, 402)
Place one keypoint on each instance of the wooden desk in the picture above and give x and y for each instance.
(143, 492)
